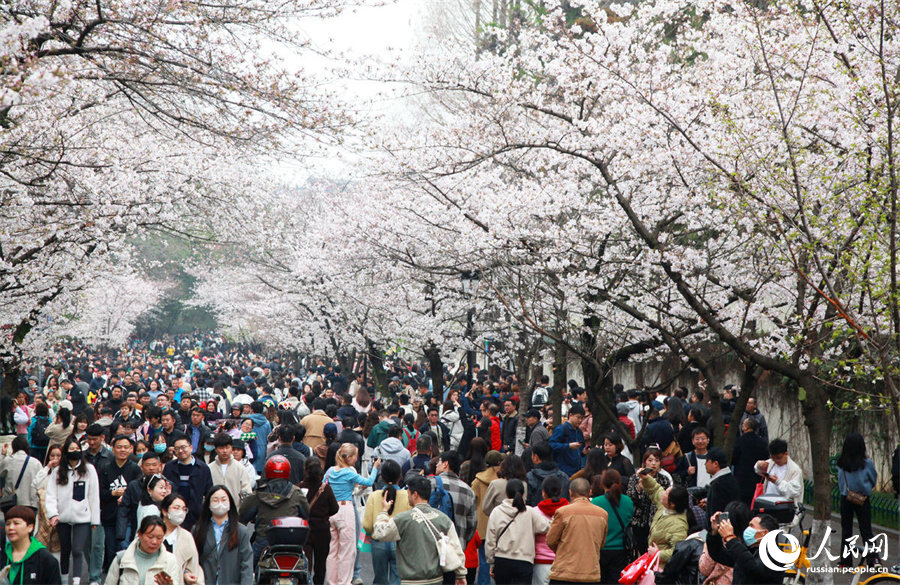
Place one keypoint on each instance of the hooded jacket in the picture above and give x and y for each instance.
(537, 475)
(37, 567)
(263, 429)
(391, 448)
(517, 541)
(455, 427)
(542, 553)
(379, 433)
(276, 498)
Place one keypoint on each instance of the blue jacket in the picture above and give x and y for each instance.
(862, 480)
(263, 429)
(568, 459)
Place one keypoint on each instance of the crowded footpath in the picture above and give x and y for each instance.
(192, 461)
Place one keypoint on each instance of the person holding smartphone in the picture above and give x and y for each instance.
(145, 561)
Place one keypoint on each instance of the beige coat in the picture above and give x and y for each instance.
(123, 570)
(314, 424)
(187, 557)
(480, 486)
(516, 542)
(576, 535)
(235, 478)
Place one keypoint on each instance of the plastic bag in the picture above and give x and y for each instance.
(633, 572)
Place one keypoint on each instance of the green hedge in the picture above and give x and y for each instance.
(885, 510)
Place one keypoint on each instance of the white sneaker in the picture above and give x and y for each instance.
(76, 580)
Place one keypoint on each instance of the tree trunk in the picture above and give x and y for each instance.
(748, 386)
(11, 380)
(559, 382)
(436, 367)
(379, 376)
(818, 419)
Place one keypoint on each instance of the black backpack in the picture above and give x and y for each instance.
(39, 436)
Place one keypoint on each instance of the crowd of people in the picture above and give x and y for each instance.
(169, 462)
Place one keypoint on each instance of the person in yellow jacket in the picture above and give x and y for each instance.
(384, 554)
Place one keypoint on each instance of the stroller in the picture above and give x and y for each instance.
(283, 561)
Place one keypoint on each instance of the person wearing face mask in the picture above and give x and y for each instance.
(73, 506)
(126, 521)
(226, 470)
(742, 551)
(179, 541)
(222, 541)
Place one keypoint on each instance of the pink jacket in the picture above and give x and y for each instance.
(542, 553)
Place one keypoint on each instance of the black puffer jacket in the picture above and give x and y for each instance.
(748, 567)
(683, 566)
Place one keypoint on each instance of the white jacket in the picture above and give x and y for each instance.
(789, 486)
(10, 467)
(60, 502)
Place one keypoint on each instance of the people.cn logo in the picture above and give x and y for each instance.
(772, 555)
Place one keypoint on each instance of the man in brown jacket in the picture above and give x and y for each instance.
(315, 428)
(576, 536)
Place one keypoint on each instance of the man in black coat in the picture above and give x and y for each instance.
(190, 477)
(748, 449)
(286, 449)
(126, 513)
(723, 487)
(439, 429)
(729, 549)
(114, 478)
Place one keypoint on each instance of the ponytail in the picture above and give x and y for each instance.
(515, 490)
(612, 486)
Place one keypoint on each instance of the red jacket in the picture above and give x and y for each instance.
(491, 434)
(629, 424)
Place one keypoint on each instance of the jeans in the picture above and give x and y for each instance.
(97, 554)
(384, 563)
(541, 574)
(357, 566)
(864, 517)
(484, 569)
(113, 546)
(72, 538)
(258, 546)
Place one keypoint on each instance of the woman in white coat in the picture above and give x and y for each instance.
(145, 561)
(73, 506)
(179, 541)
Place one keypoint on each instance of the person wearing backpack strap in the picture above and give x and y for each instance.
(17, 471)
(619, 549)
(460, 495)
(510, 542)
(419, 547)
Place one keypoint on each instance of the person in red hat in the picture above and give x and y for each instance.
(275, 497)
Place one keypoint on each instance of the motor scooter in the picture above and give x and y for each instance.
(283, 561)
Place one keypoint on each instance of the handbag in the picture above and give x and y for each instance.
(9, 501)
(855, 498)
(758, 491)
(649, 576)
(627, 536)
(450, 555)
(636, 570)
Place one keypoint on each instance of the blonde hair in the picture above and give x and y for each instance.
(347, 450)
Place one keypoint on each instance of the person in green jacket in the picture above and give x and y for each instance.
(379, 431)
(670, 523)
(27, 562)
(619, 509)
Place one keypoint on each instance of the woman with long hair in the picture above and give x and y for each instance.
(343, 478)
(179, 542)
(82, 421)
(146, 561)
(512, 467)
(362, 402)
(619, 508)
(156, 488)
(594, 465)
(856, 480)
(675, 413)
(644, 507)
(73, 506)
(322, 506)
(474, 463)
(511, 531)
(222, 541)
(47, 533)
(60, 430)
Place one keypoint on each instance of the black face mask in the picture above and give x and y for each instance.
(74, 455)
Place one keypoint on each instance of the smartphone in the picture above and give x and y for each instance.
(723, 517)
(646, 470)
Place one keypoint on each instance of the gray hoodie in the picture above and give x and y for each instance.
(391, 448)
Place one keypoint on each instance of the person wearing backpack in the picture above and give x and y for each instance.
(510, 542)
(410, 432)
(37, 432)
(421, 533)
(454, 497)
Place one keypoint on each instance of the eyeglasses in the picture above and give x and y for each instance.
(183, 448)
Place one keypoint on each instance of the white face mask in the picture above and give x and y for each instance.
(176, 517)
(219, 509)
